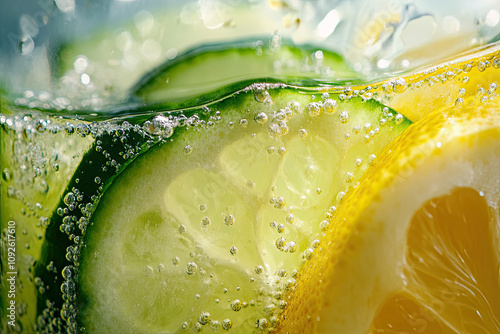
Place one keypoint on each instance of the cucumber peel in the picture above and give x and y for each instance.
(212, 71)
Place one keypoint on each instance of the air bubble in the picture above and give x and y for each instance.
(280, 203)
(278, 129)
(262, 323)
(459, 102)
(6, 175)
(294, 106)
(262, 96)
(371, 158)
(307, 253)
(215, 325)
(302, 133)
(259, 269)
(227, 324)
(205, 221)
(233, 250)
(358, 162)
(367, 127)
(282, 273)
(202, 207)
(349, 177)
(496, 63)
(291, 247)
(313, 109)
(236, 305)
(280, 243)
(197, 327)
(229, 220)
(181, 229)
(243, 122)
(204, 318)
(324, 225)
(344, 117)
(356, 129)
(281, 151)
(191, 268)
(340, 195)
(160, 126)
(481, 66)
(261, 118)
(399, 118)
(188, 149)
(400, 85)
(330, 106)
(280, 228)
(289, 218)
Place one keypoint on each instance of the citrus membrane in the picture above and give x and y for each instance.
(414, 248)
(209, 228)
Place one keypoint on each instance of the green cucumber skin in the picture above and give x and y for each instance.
(155, 80)
(57, 242)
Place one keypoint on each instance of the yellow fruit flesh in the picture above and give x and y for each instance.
(451, 278)
(377, 270)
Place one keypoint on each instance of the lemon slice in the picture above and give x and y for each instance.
(415, 248)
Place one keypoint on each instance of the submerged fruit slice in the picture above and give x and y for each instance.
(415, 247)
(471, 78)
(208, 228)
(209, 72)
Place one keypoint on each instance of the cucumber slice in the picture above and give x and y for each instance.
(209, 227)
(210, 72)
